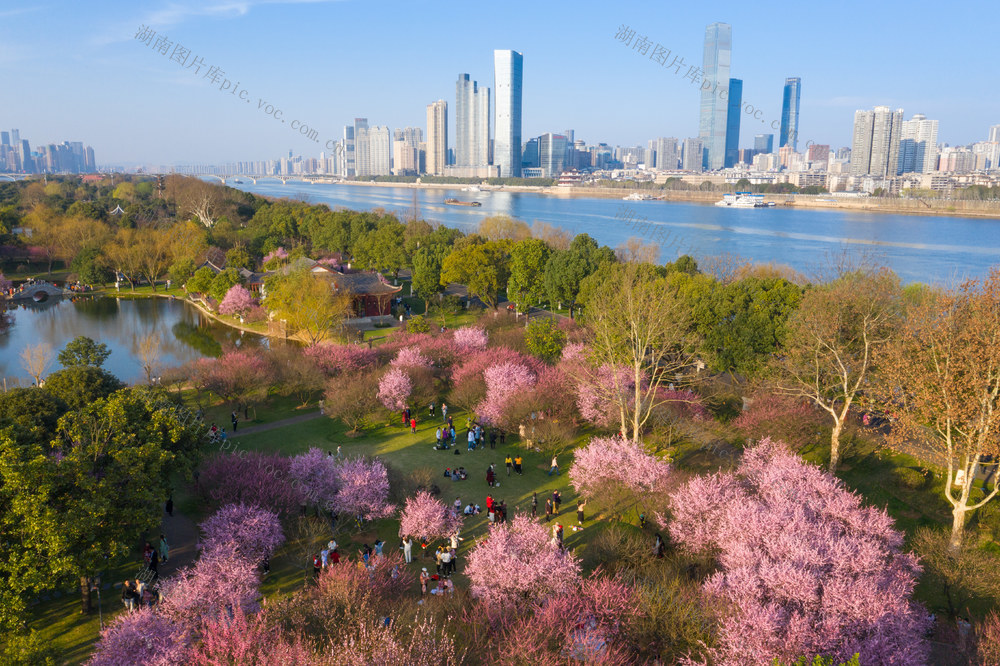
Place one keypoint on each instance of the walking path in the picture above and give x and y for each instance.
(264, 427)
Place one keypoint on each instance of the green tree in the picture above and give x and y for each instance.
(81, 350)
(182, 270)
(222, 282)
(427, 263)
(239, 257)
(91, 268)
(75, 504)
(382, 249)
(30, 414)
(201, 281)
(482, 268)
(308, 304)
(526, 285)
(565, 270)
(544, 339)
(80, 385)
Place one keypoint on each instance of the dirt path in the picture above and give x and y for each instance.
(182, 537)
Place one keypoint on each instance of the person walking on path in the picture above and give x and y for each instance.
(408, 549)
(234, 417)
(554, 467)
(413, 425)
(517, 463)
(534, 504)
(509, 462)
(164, 549)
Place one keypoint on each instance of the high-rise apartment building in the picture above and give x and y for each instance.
(4, 138)
(508, 68)
(693, 153)
(733, 113)
(666, 153)
(994, 134)
(819, 155)
(875, 146)
(472, 123)
(789, 133)
(437, 137)
(406, 151)
(552, 149)
(714, 110)
(918, 145)
(349, 162)
(362, 150)
(529, 154)
(380, 151)
(763, 143)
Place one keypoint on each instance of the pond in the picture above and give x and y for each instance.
(185, 334)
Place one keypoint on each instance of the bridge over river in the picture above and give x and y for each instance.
(38, 291)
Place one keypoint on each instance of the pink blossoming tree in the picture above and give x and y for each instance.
(216, 583)
(470, 338)
(142, 637)
(275, 257)
(237, 302)
(593, 391)
(503, 382)
(363, 489)
(248, 639)
(394, 389)
(619, 473)
(316, 474)
(410, 357)
(337, 360)
(518, 563)
(251, 477)
(804, 566)
(425, 517)
(245, 530)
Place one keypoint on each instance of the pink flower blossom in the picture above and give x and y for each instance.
(614, 460)
(248, 531)
(252, 477)
(425, 517)
(804, 566)
(574, 351)
(410, 357)
(237, 301)
(595, 393)
(394, 389)
(363, 489)
(143, 636)
(503, 382)
(278, 254)
(317, 476)
(518, 563)
(470, 338)
(216, 583)
(335, 360)
(248, 639)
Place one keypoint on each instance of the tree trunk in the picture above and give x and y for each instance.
(835, 446)
(86, 607)
(957, 526)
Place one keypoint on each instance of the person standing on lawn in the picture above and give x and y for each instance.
(517, 464)
(408, 549)
(413, 425)
(580, 504)
(548, 509)
(490, 477)
(509, 462)
(534, 504)
(444, 411)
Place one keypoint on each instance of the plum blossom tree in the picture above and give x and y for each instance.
(336, 360)
(804, 567)
(256, 478)
(517, 563)
(470, 338)
(468, 384)
(374, 643)
(503, 382)
(248, 639)
(394, 388)
(142, 637)
(242, 376)
(275, 257)
(619, 473)
(363, 489)
(216, 583)
(410, 357)
(245, 530)
(594, 399)
(236, 302)
(425, 517)
(317, 475)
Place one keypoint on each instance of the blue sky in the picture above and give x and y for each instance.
(73, 70)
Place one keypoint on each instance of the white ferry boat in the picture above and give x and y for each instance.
(472, 188)
(638, 196)
(744, 200)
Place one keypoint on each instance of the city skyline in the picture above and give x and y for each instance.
(91, 56)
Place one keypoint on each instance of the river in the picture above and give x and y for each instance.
(185, 333)
(939, 250)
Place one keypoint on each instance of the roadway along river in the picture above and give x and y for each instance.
(941, 250)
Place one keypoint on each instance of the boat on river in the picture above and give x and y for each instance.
(456, 202)
(744, 200)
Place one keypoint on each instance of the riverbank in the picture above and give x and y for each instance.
(179, 295)
(942, 207)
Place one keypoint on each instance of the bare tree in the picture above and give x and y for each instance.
(942, 380)
(149, 353)
(832, 342)
(638, 251)
(35, 360)
(641, 333)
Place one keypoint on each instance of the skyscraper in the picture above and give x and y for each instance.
(552, 150)
(380, 151)
(714, 91)
(437, 137)
(350, 165)
(994, 133)
(918, 145)
(733, 122)
(693, 152)
(362, 150)
(508, 67)
(875, 146)
(790, 113)
(472, 123)
(4, 138)
(406, 151)
(666, 153)
(763, 143)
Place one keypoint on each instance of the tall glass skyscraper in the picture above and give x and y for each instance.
(714, 91)
(733, 122)
(508, 67)
(472, 123)
(790, 113)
